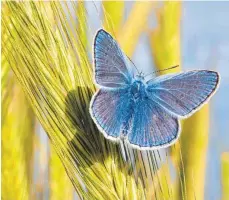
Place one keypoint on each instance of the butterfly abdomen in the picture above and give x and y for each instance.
(127, 117)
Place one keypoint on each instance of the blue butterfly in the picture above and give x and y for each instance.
(143, 113)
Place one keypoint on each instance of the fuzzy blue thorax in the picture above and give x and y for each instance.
(138, 89)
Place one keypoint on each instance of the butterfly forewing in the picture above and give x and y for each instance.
(183, 93)
(111, 65)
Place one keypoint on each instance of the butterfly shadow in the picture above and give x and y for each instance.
(87, 140)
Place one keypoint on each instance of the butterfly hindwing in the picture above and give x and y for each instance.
(110, 111)
(152, 126)
(111, 64)
(183, 93)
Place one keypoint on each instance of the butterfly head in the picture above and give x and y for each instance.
(140, 76)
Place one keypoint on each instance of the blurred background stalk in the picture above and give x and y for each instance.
(225, 175)
(60, 184)
(17, 145)
(17, 131)
(135, 24)
(165, 38)
(193, 145)
(113, 12)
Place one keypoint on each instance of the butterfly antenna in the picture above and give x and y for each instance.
(163, 70)
(133, 64)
